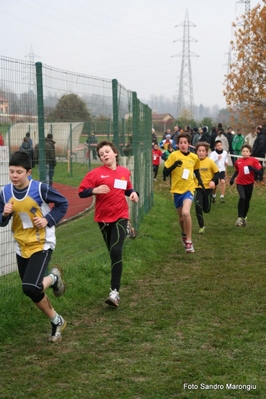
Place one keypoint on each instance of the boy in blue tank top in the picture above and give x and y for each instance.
(25, 202)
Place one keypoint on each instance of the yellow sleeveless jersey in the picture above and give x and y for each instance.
(28, 238)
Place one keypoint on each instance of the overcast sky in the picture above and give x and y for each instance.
(130, 40)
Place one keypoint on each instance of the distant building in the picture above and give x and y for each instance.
(3, 105)
(161, 122)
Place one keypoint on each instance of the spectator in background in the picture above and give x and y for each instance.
(164, 143)
(29, 139)
(31, 148)
(175, 133)
(230, 135)
(49, 157)
(259, 149)
(237, 142)
(154, 138)
(25, 147)
(92, 144)
(168, 131)
(205, 135)
(195, 136)
(221, 136)
(213, 137)
(1, 140)
(250, 138)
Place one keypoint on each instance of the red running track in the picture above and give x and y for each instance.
(76, 205)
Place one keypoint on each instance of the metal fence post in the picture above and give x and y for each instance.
(41, 160)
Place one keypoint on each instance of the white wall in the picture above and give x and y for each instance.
(7, 253)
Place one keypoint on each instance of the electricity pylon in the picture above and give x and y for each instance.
(185, 101)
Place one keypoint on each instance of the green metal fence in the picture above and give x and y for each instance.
(40, 99)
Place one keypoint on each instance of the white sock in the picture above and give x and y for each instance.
(56, 319)
(54, 278)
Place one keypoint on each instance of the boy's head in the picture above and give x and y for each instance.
(202, 149)
(107, 143)
(182, 136)
(170, 147)
(155, 146)
(20, 158)
(218, 145)
(246, 150)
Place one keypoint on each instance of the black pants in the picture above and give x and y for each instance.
(32, 271)
(155, 170)
(114, 235)
(245, 194)
(202, 204)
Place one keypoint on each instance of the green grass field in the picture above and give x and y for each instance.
(196, 319)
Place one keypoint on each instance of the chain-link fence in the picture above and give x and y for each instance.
(78, 111)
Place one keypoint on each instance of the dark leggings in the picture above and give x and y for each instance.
(114, 235)
(32, 271)
(202, 204)
(155, 170)
(245, 194)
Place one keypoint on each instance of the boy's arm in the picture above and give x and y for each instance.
(233, 177)
(198, 176)
(50, 195)
(167, 171)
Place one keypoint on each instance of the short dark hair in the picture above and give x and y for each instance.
(21, 158)
(218, 141)
(49, 136)
(184, 135)
(108, 143)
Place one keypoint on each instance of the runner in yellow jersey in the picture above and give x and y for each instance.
(182, 165)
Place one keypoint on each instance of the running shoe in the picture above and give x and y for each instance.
(222, 200)
(189, 247)
(202, 230)
(131, 232)
(56, 330)
(59, 286)
(239, 222)
(113, 299)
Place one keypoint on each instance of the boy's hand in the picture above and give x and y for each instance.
(8, 209)
(134, 197)
(40, 222)
(232, 181)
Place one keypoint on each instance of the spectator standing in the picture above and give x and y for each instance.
(213, 137)
(221, 136)
(50, 158)
(205, 135)
(259, 149)
(154, 138)
(1, 140)
(92, 144)
(230, 136)
(237, 142)
(250, 138)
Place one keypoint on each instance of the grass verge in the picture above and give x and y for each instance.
(196, 319)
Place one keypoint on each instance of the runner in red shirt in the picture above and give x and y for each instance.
(245, 169)
(110, 184)
(156, 158)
